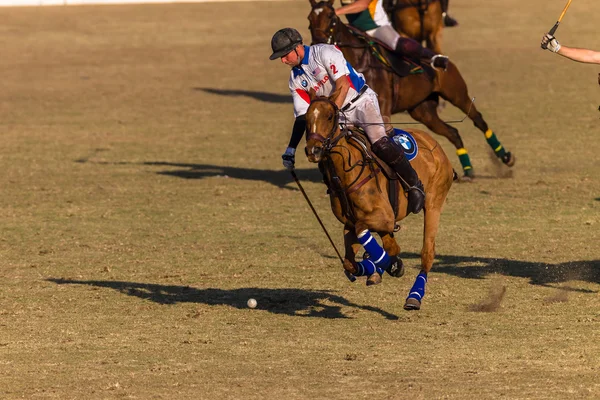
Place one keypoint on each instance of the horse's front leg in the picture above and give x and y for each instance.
(373, 266)
(351, 246)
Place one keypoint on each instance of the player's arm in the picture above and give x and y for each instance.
(549, 42)
(580, 55)
(356, 7)
(333, 60)
(342, 85)
(297, 131)
(301, 101)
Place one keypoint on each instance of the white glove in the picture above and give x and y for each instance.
(289, 158)
(549, 42)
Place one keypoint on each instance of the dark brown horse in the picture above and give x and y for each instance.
(416, 93)
(420, 20)
(360, 199)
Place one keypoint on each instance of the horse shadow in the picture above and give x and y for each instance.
(293, 302)
(542, 274)
(261, 96)
(279, 178)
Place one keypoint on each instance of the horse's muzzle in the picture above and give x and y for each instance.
(314, 154)
(319, 38)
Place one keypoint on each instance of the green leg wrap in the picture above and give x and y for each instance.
(495, 143)
(465, 161)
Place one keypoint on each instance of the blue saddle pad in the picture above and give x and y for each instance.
(407, 142)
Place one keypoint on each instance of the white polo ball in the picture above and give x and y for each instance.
(252, 303)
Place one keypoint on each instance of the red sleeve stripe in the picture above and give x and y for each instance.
(304, 95)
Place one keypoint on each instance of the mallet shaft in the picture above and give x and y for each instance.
(316, 215)
(562, 14)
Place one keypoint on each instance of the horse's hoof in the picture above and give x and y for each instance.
(412, 304)
(508, 159)
(465, 179)
(374, 279)
(350, 277)
(396, 268)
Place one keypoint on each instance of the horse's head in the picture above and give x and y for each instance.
(321, 125)
(322, 21)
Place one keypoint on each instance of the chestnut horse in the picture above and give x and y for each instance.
(420, 20)
(416, 93)
(359, 195)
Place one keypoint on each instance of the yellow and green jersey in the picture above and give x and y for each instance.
(371, 18)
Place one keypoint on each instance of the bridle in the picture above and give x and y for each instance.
(328, 141)
(329, 31)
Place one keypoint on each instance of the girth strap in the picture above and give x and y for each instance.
(358, 185)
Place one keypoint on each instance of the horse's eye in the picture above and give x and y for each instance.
(330, 117)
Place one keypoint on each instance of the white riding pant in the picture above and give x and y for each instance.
(365, 113)
(387, 34)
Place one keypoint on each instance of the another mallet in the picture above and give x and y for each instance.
(562, 14)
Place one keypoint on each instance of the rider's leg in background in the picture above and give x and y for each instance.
(387, 34)
(407, 47)
(413, 49)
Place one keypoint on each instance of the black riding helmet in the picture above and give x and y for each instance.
(284, 41)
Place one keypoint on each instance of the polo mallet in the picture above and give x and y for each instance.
(555, 27)
(348, 275)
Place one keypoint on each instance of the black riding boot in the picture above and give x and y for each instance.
(393, 155)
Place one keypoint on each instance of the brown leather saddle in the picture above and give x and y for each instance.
(356, 137)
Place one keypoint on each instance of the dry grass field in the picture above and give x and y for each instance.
(143, 202)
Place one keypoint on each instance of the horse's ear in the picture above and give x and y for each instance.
(314, 2)
(330, 1)
(312, 94)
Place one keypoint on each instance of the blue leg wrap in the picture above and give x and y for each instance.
(377, 254)
(418, 290)
(366, 268)
(378, 259)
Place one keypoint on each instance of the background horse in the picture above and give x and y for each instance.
(420, 20)
(360, 198)
(416, 93)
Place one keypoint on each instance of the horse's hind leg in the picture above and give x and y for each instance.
(454, 89)
(432, 220)
(426, 112)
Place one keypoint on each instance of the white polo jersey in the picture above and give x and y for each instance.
(321, 66)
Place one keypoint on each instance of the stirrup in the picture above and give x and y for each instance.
(435, 57)
(416, 188)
